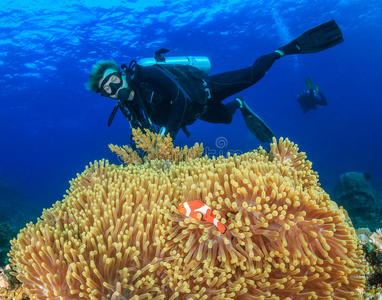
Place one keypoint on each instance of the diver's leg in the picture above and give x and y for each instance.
(226, 84)
(219, 113)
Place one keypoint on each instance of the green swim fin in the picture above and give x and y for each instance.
(317, 89)
(317, 39)
(255, 124)
(309, 84)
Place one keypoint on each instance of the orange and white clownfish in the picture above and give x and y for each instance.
(198, 210)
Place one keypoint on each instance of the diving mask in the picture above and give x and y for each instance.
(111, 84)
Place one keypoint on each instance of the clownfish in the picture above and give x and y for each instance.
(198, 210)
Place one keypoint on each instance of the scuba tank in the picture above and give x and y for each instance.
(200, 62)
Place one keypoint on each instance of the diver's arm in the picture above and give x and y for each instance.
(177, 98)
(130, 115)
(125, 111)
(172, 107)
(321, 100)
(176, 115)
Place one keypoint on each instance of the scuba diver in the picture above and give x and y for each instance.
(310, 98)
(166, 94)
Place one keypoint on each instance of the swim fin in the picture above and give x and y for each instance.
(309, 84)
(317, 39)
(254, 123)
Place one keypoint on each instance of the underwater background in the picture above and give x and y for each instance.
(52, 127)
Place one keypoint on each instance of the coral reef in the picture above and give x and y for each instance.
(157, 150)
(10, 287)
(354, 191)
(376, 240)
(6, 234)
(372, 247)
(118, 234)
(4, 283)
(363, 235)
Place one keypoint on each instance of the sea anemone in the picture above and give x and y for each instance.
(118, 234)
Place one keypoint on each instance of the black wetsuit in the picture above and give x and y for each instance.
(174, 98)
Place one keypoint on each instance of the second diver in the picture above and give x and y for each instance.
(311, 97)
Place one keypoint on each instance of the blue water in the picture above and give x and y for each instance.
(52, 127)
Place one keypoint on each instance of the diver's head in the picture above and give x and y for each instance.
(106, 79)
(113, 84)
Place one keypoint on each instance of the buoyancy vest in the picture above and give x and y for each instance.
(159, 86)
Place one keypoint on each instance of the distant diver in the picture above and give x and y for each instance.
(310, 98)
(165, 94)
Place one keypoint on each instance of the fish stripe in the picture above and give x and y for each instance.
(188, 209)
(203, 209)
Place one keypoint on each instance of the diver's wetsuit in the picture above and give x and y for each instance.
(173, 106)
(226, 84)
